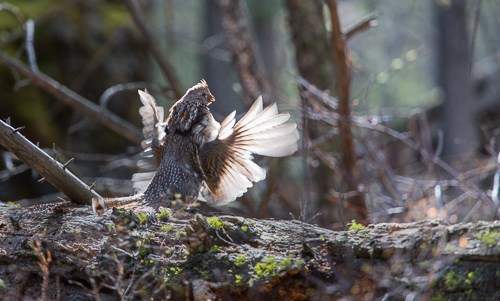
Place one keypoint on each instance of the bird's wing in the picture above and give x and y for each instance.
(153, 128)
(227, 161)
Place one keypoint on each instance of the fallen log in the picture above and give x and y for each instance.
(64, 251)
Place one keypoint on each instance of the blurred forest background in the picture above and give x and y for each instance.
(398, 104)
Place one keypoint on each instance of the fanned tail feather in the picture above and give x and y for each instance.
(265, 132)
(261, 131)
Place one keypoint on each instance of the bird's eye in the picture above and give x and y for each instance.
(204, 94)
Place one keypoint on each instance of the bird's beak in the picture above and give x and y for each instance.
(212, 99)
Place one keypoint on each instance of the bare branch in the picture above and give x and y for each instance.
(327, 99)
(41, 162)
(166, 68)
(111, 91)
(29, 27)
(466, 185)
(75, 101)
(365, 23)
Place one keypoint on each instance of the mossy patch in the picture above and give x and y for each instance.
(167, 228)
(489, 237)
(241, 260)
(215, 222)
(356, 226)
(164, 214)
(271, 266)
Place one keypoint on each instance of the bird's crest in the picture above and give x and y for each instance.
(202, 85)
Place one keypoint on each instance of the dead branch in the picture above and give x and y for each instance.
(51, 170)
(466, 185)
(75, 101)
(341, 60)
(464, 181)
(365, 23)
(238, 33)
(165, 66)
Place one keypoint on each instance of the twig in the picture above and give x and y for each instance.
(29, 44)
(75, 101)
(166, 68)
(383, 174)
(462, 180)
(365, 23)
(327, 99)
(13, 10)
(111, 91)
(51, 170)
(333, 118)
(44, 261)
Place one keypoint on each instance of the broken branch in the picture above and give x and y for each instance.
(51, 170)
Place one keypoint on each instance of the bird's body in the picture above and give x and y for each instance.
(179, 172)
(191, 156)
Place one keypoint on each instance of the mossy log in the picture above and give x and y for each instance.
(65, 252)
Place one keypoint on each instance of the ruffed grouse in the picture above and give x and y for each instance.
(191, 156)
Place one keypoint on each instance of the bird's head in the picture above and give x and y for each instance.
(190, 108)
(199, 95)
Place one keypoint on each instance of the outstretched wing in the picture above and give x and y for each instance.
(227, 161)
(154, 134)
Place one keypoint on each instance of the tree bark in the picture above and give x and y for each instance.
(236, 27)
(340, 55)
(315, 64)
(124, 255)
(457, 113)
(322, 60)
(51, 170)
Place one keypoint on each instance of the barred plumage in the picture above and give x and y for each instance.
(199, 158)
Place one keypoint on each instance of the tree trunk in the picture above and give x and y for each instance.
(454, 78)
(315, 64)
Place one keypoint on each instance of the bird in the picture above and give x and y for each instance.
(190, 156)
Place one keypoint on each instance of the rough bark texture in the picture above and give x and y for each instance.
(309, 35)
(52, 171)
(64, 251)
